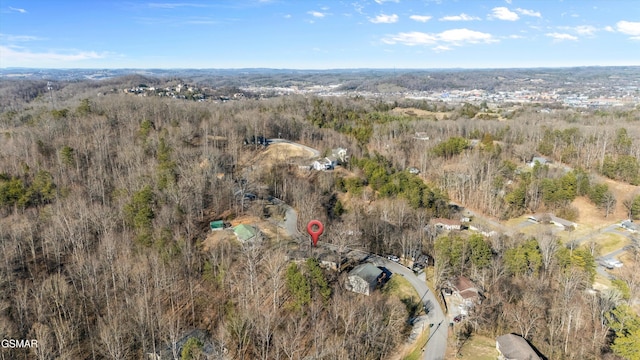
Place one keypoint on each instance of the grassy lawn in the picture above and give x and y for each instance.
(402, 289)
(511, 223)
(611, 242)
(416, 353)
(479, 348)
(601, 282)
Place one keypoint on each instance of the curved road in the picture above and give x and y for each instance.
(437, 343)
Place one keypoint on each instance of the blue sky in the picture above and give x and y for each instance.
(318, 34)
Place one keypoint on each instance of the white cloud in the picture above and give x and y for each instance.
(287, 16)
(442, 48)
(526, 12)
(385, 19)
(317, 14)
(459, 36)
(585, 30)
(16, 56)
(561, 36)
(411, 38)
(508, 1)
(609, 29)
(21, 11)
(461, 17)
(19, 38)
(443, 40)
(516, 36)
(502, 13)
(384, 1)
(420, 18)
(629, 28)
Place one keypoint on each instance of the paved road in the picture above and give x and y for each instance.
(437, 344)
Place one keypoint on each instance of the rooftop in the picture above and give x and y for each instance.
(513, 346)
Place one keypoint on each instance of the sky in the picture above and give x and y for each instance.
(319, 34)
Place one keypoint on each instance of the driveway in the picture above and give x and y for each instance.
(315, 152)
(437, 343)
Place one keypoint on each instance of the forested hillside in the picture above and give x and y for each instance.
(106, 203)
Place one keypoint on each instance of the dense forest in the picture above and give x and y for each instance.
(105, 205)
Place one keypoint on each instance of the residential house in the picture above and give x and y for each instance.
(552, 219)
(340, 154)
(447, 224)
(421, 136)
(331, 260)
(363, 279)
(515, 347)
(630, 225)
(209, 349)
(466, 292)
(328, 163)
(540, 160)
(483, 231)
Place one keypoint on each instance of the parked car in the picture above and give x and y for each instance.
(612, 263)
(393, 258)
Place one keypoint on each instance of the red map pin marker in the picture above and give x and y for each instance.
(315, 234)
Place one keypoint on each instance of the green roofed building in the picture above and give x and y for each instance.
(245, 232)
(216, 225)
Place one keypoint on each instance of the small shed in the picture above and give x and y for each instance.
(216, 225)
(515, 347)
(363, 279)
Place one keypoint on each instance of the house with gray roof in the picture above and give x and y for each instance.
(631, 226)
(363, 279)
(515, 347)
(552, 219)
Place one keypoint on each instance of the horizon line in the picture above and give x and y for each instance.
(316, 69)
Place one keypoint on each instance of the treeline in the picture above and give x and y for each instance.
(542, 289)
(105, 206)
(106, 202)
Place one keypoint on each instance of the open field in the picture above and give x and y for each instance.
(422, 114)
(477, 348)
(608, 243)
(281, 153)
